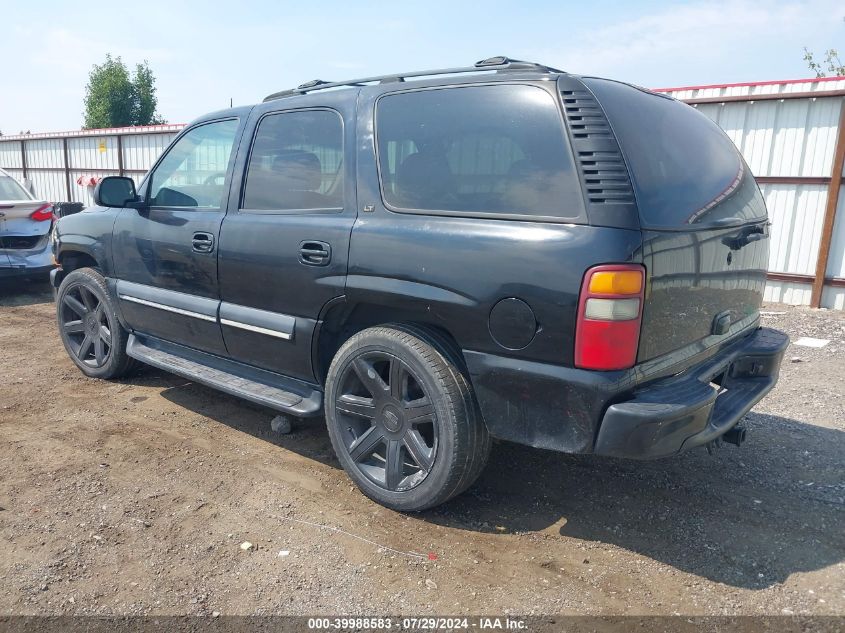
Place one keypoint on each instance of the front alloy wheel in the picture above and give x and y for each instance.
(88, 325)
(82, 317)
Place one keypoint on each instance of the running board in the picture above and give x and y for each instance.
(250, 383)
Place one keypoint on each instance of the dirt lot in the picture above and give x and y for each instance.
(135, 497)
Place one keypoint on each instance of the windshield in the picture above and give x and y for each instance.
(11, 190)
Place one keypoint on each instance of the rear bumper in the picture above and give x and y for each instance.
(625, 413)
(16, 272)
(686, 411)
(28, 262)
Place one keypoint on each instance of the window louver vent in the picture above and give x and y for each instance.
(603, 172)
(586, 119)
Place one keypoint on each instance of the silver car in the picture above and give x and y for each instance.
(25, 224)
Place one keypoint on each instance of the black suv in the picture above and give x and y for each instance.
(436, 258)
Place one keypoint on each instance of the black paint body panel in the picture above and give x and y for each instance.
(695, 277)
(442, 269)
(259, 259)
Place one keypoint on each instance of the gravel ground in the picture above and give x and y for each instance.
(135, 497)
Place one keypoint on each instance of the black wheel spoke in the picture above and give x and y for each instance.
(85, 348)
(105, 335)
(356, 405)
(417, 449)
(366, 444)
(74, 327)
(370, 378)
(91, 302)
(398, 377)
(74, 304)
(99, 351)
(393, 465)
(420, 410)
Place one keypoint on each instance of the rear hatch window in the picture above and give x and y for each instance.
(685, 170)
(11, 190)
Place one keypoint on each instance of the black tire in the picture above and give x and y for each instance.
(89, 328)
(403, 419)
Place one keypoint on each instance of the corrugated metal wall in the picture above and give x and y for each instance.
(53, 163)
(788, 143)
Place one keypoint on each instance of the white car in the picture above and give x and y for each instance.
(25, 224)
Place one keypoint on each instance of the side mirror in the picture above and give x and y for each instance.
(116, 191)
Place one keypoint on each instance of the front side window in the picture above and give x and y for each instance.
(477, 150)
(296, 163)
(193, 172)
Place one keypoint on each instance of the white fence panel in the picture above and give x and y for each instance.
(10, 154)
(93, 153)
(140, 151)
(796, 213)
(45, 154)
(789, 138)
(49, 184)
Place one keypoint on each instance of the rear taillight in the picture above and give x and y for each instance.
(610, 310)
(42, 213)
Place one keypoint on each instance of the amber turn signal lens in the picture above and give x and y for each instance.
(616, 282)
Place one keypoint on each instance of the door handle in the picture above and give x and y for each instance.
(312, 253)
(202, 242)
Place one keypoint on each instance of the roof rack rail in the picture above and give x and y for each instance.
(499, 63)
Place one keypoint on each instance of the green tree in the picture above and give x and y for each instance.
(114, 98)
(145, 96)
(831, 64)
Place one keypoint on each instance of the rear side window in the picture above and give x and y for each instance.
(10, 189)
(480, 150)
(684, 168)
(296, 162)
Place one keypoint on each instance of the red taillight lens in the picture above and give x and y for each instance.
(42, 213)
(610, 310)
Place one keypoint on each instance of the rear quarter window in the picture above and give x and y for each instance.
(477, 150)
(684, 168)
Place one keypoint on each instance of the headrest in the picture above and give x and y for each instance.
(423, 175)
(300, 170)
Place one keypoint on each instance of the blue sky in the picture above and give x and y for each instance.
(204, 53)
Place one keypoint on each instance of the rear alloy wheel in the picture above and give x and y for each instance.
(390, 426)
(89, 327)
(402, 419)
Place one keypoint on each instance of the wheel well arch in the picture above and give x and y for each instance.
(341, 321)
(71, 260)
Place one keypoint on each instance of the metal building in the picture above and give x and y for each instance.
(792, 134)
